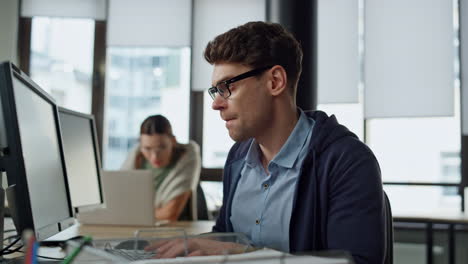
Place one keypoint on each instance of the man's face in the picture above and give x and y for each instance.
(247, 111)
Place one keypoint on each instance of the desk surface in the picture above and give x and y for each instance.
(434, 217)
(109, 231)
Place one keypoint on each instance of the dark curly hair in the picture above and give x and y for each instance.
(258, 44)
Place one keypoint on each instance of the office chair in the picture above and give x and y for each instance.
(202, 208)
(388, 231)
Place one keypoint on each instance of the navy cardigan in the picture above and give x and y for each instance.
(339, 198)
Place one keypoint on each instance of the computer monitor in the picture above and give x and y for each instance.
(32, 156)
(81, 159)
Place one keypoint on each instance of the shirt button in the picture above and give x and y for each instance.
(257, 222)
(265, 186)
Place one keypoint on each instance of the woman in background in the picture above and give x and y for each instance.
(176, 167)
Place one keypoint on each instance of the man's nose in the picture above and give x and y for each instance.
(218, 103)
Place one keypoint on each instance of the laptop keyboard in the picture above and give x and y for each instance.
(131, 254)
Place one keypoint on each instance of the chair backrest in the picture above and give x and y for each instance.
(388, 231)
(201, 207)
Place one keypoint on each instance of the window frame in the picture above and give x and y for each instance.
(197, 101)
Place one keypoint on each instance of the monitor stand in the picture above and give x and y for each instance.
(10, 196)
(2, 209)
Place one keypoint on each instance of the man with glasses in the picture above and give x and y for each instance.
(294, 181)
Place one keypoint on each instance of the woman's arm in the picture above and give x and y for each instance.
(172, 210)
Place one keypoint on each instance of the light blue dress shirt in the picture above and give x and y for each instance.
(262, 203)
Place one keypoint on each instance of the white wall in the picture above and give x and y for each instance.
(9, 30)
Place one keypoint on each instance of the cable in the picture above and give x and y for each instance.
(13, 250)
(9, 246)
(69, 259)
(44, 257)
(10, 237)
(39, 256)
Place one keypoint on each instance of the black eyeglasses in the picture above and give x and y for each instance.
(222, 88)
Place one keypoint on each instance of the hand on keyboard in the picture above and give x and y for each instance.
(193, 247)
(131, 254)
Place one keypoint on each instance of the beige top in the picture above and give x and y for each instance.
(182, 178)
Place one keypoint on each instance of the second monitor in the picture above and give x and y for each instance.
(81, 158)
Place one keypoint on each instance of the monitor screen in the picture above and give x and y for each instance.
(81, 158)
(33, 159)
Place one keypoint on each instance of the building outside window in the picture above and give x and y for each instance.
(62, 59)
(216, 140)
(142, 82)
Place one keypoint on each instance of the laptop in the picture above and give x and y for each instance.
(128, 198)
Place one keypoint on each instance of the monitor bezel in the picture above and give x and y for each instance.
(13, 160)
(97, 155)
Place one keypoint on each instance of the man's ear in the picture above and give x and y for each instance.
(279, 80)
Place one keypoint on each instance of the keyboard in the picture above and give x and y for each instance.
(131, 254)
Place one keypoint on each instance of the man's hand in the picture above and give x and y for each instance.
(194, 247)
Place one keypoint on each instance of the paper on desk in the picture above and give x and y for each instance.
(259, 257)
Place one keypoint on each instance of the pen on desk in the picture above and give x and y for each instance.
(35, 247)
(29, 241)
(77, 250)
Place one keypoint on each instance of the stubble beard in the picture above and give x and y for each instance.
(238, 135)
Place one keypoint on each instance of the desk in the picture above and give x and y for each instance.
(109, 232)
(431, 218)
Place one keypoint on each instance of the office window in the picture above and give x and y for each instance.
(216, 140)
(417, 149)
(411, 199)
(142, 82)
(62, 59)
(420, 150)
(349, 115)
(411, 150)
(214, 197)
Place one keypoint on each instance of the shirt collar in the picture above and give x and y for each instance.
(253, 158)
(289, 152)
